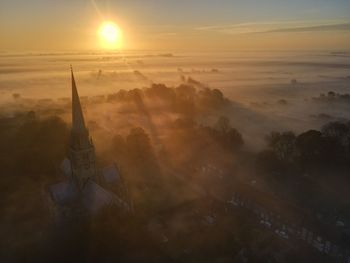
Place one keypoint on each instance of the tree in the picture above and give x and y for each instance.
(161, 91)
(283, 144)
(138, 145)
(210, 99)
(118, 147)
(223, 124)
(234, 140)
(227, 136)
(338, 131)
(184, 123)
(337, 141)
(39, 144)
(185, 96)
(267, 162)
(310, 146)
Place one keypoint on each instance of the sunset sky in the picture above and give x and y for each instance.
(176, 25)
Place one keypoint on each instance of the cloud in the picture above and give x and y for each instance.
(335, 27)
(276, 27)
(239, 28)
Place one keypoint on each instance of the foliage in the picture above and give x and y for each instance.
(329, 147)
(184, 99)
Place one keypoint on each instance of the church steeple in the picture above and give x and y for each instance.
(78, 123)
(82, 151)
(80, 134)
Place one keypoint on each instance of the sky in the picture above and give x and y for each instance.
(176, 24)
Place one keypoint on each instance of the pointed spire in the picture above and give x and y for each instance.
(78, 123)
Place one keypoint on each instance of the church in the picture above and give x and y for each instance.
(86, 189)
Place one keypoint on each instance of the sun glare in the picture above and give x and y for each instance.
(110, 35)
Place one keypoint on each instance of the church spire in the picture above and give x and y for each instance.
(82, 151)
(78, 123)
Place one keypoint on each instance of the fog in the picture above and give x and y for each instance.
(270, 90)
(187, 130)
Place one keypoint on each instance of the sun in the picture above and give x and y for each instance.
(110, 35)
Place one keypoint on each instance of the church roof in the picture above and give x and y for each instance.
(63, 193)
(110, 174)
(93, 197)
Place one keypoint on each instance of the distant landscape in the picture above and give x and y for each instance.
(196, 135)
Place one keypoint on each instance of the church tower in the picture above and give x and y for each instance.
(88, 189)
(82, 150)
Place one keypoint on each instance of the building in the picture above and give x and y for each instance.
(86, 189)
